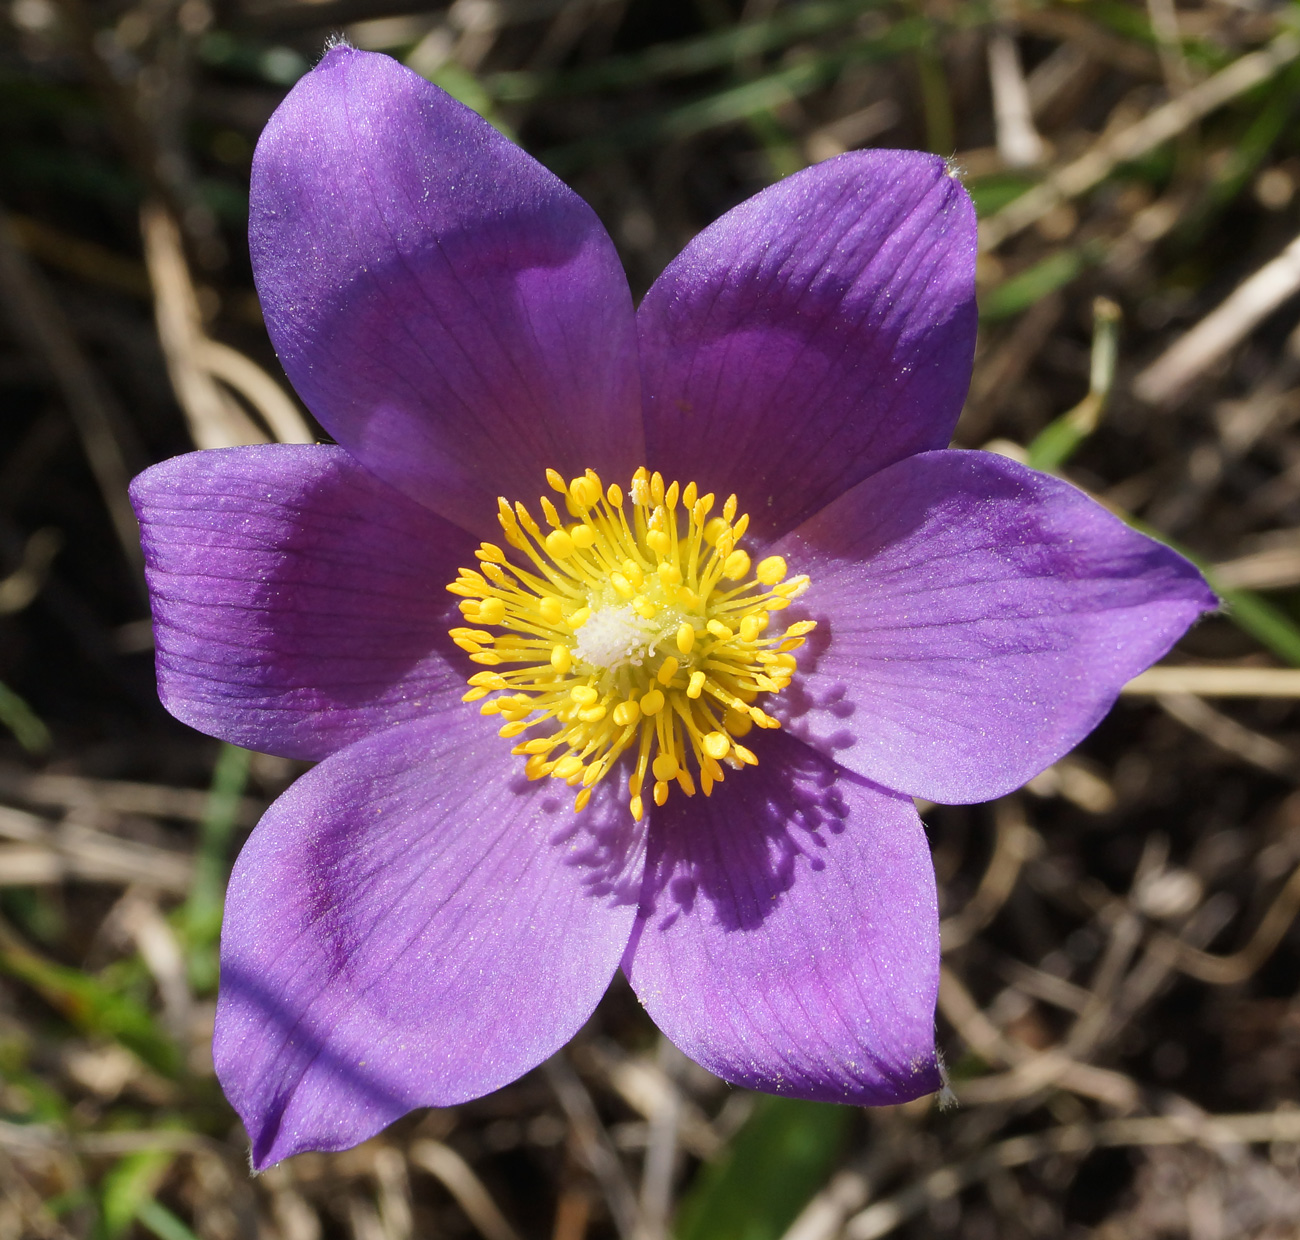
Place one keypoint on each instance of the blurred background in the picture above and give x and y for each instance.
(1119, 1006)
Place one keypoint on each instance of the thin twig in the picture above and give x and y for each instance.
(1211, 1132)
(662, 1148)
(45, 853)
(1199, 350)
(1228, 970)
(1242, 682)
(38, 320)
(195, 362)
(116, 796)
(1159, 126)
(1229, 735)
(457, 1176)
(1015, 842)
(594, 1143)
(1019, 142)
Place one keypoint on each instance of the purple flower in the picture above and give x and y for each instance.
(425, 916)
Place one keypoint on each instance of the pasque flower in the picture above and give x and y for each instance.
(690, 736)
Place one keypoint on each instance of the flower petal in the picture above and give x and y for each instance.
(450, 312)
(813, 335)
(413, 924)
(976, 621)
(299, 603)
(788, 937)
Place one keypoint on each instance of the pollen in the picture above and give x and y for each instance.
(635, 627)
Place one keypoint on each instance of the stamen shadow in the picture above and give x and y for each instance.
(740, 850)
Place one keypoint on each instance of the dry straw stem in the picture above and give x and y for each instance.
(647, 1089)
(1276, 568)
(21, 586)
(1210, 1131)
(1237, 967)
(116, 796)
(43, 1138)
(663, 1144)
(1014, 844)
(850, 1189)
(1019, 143)
(1158, 126)
(1243, 682)
(1172, 374)
(44, 853)
(39, 322)
(457, 1176)
(1030, 1071)
(1225, 732)
(195, 362)
(593, 1144)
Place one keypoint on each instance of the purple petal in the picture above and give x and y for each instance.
(815, 334)
(788, 938)
(413, 924)
(451, 313)
(299, 603)
(976, 621)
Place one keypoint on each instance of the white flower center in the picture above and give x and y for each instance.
(614, 637)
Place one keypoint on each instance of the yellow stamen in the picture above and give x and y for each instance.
(618, 635)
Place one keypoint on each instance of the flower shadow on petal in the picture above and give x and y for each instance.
(774, 814)
(412, 960)
(599, 840)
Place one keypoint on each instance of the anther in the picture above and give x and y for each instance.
(559, 545)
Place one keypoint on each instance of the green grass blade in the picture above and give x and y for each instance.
(1031, 286)
(89, 1004)
(126, 1186)
(157, 1218)
(1061, 438)
(23, 722)
(782, 1155)
(717, 50)
(200, 916)
(738, 103)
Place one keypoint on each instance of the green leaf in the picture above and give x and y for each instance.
(200, 915)
(21, 720)
(754, 1191)
(89, 1004)
(991, 193)
(129, 1184)
(1060, 439)
(719, 49)
(158, 1219)
(738, 103)
(1031, 286)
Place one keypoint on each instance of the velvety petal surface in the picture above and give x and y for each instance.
(413, 924)
(788, 937)
(299, 603)
(976, 620)
(450, 312)
(818, 332)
